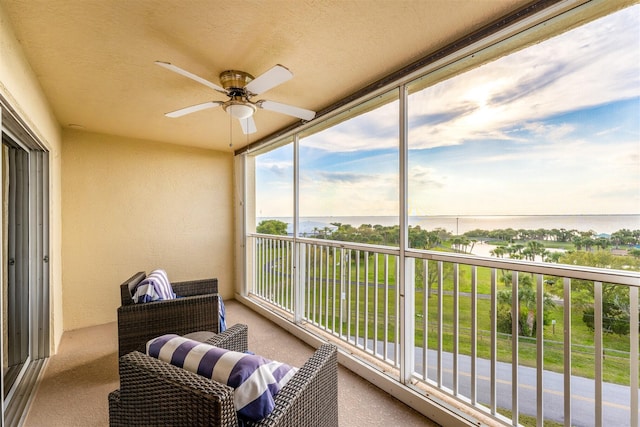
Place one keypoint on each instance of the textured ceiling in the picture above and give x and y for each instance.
(95, 58)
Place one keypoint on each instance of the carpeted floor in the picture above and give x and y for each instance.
(77, 380)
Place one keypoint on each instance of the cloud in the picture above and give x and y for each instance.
(555, 76)
(550, 132)
(424, 177)
(559, 75)
(542, 130)
(339, 193)
(343, 177)
(608, 131)
(280, 169)
(433, 119)
(376, 129)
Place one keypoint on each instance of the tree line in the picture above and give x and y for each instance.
(517, 244)
(588, 250)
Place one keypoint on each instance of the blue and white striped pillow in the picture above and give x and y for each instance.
(255, 380)
(154, 287)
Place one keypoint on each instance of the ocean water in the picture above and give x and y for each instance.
(601, 224)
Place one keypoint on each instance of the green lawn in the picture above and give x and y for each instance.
(323, 309)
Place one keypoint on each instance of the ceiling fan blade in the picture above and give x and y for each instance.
(192, 76)
(187, 110)
(272, 78)
(289, 110)
(248, 125)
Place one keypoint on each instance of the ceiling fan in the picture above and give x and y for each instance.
(240, 87)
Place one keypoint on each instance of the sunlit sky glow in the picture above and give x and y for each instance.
(553, 129)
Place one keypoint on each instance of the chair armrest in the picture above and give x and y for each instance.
(195, 287)
(125, 292)
(138, 323)
(234, 338)
(310, 398)
(153, 392)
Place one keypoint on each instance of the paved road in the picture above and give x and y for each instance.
(615, 407)
(615, 397)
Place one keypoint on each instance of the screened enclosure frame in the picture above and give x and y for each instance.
(536, 25)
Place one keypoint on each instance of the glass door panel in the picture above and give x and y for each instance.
(15, 280)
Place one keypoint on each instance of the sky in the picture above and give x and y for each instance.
(553, 129)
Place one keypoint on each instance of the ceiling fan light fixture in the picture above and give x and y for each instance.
(239, 110)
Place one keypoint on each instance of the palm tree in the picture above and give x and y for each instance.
(433, 239)
(602, 243)
(536, 248)
(552, 256)
(528, 254)
(473, 243)
(498, 252)
(526, 303)
(455, 243)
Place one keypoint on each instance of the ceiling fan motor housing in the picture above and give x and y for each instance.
(233, 80)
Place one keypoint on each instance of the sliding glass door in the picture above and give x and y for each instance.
(24, 265)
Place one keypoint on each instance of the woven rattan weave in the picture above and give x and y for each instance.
(195, 309)
(153, 392)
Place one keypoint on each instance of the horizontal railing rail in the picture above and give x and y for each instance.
(574, 358)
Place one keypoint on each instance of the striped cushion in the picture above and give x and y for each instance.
(154, 287)
(256, 380)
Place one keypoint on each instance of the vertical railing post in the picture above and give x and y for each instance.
(298, 252)
(270, 272)
(515, 361)
(540, 350)
(439, 323)
(407, 323)
(366, 300)
(356, 334)
(597, 343)
(386, 307)
(474, 334)
(327, 289)
(313, 285)
(567, 351)
(425, 319)
(456, 326)
(336, 297)
(494, 339)
(251, 269)
(298, 282)
(633, 354)
(347, 262)
(375, 304)
(343, 292)
(397, 343)
(290, 275)
(405, 283)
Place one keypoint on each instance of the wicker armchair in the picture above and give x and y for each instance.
(196, 309)
(153, 392)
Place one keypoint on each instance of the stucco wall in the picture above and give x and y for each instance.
(21, 89)
(120, 206)
(131, 205)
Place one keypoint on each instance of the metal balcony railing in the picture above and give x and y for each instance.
(444, 321)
